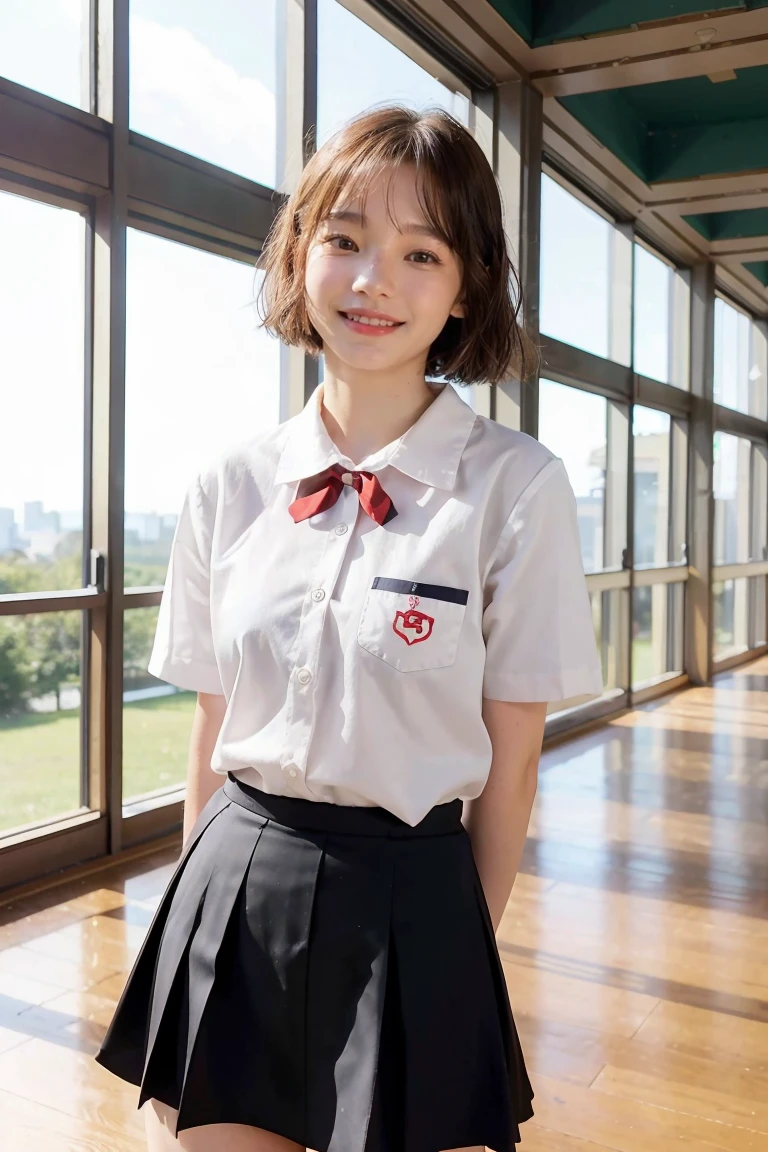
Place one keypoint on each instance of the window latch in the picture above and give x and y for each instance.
(98, 568)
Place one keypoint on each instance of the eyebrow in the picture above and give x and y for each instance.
(411, 229)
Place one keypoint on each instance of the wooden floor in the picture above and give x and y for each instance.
(635, 946)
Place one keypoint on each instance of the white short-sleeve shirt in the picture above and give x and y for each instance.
(354, 656)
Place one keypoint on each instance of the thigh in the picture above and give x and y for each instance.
(160, 1126)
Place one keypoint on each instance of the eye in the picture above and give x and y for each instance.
(338, 236)
(431, 256)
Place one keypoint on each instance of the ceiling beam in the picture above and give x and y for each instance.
(670, 51)
(473, 30)
(751, 255)
(697, 198)
(745, 248)
(485, 23)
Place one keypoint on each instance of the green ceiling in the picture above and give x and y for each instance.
(673, 130)
(681, 129)
(545, 21)
(731, 225)
(759, 268)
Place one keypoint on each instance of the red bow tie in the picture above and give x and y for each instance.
(372, 496)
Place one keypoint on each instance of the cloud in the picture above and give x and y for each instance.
(184, 95)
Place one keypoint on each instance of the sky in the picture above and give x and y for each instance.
(199, 373)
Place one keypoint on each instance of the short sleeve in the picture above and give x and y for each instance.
(183, 651)
(537, 622)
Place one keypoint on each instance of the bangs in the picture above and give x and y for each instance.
(348, 179)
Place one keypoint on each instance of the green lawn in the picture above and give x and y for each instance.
(642, 661)
(39, 756)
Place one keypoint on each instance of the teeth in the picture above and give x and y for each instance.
(375, 323)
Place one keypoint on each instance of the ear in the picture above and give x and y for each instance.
(458, 310)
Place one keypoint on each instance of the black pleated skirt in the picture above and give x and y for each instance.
(329, 973)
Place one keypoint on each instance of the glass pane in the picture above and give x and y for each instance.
(651, 430)
(609, 619)
(758, 549)
(657, 632)
(203, 79)
(356, 67)
(678, 517)
(740, 362)
(572, 424)
(585, 262)
(41, 430)
(200, 376)
(652, 315)
(40, 678)
(157, 718)
(730, 602)
(41, 46)
(757, 611)
(732, 498)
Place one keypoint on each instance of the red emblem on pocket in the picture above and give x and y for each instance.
(413, 626)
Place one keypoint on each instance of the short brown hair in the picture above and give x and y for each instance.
(460, 199)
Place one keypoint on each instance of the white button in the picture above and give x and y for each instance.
(304, 675)
(318, 594)
(340, 529)
(292, 772)
(347, 477)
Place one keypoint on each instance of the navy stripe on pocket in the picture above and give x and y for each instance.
(413, 588)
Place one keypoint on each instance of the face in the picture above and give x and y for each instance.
(357, 269)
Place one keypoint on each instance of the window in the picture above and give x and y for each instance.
(739, 615)
(651, 431)
(661, 319)
(740, 362)
(573, 424)
(157, 717)
(609, 627)
(657, 632)
(200, 377)
(585, 276)
(40, 682)
(41, 431)
(203, 79)
(740, 537)
(732, 471)
(42, 46)
(374, 71)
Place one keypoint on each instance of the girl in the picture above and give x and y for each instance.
(374, 602)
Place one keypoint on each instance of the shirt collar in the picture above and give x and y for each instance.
(429, 451)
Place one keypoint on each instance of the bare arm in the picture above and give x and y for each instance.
(202, 782)
(497, 819)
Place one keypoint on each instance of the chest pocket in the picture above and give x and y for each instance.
(411, 625)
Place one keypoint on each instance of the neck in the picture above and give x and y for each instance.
(362, 418)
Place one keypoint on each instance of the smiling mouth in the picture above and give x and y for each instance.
(370, 321)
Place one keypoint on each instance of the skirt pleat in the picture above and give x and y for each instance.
(206, 899)
(521, 1092)
(340, 988)
(124, 1047)
(345, 989)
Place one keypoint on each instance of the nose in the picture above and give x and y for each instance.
(374, 275)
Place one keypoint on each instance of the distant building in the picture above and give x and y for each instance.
(35, 520)
(10, 540)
